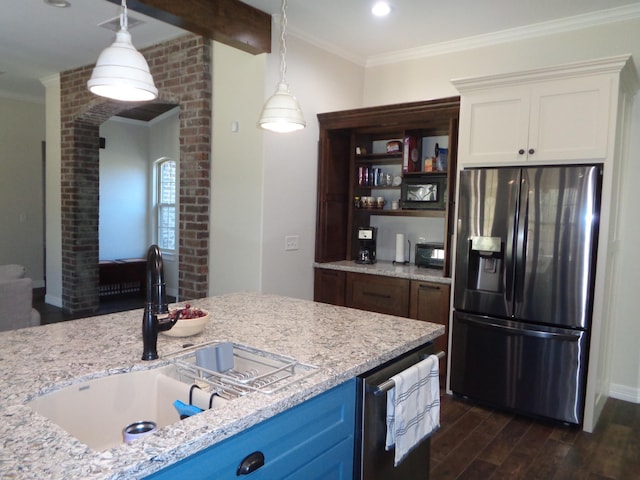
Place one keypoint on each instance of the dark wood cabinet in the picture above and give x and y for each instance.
(417, 299)
(333, 195)
(329, 286)
(380, 140)
(350, 143)
(429, 301)
(378, 294)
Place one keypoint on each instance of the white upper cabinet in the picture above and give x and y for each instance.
(550, 118)
(494, 126)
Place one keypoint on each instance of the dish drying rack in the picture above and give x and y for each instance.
(253, 370)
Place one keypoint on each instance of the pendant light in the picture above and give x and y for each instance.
(282, 113)
(121, 72)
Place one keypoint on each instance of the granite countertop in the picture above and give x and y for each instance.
(342, 342)
(388, 269)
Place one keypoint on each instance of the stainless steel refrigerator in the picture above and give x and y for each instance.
(523, 292)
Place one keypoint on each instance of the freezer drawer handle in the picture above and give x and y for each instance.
(389, 384)
(525, 333)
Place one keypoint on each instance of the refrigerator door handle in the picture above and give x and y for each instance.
(520, 254)
(569, 336)
(511, 251)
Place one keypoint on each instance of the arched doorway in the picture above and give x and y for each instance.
(182, 71)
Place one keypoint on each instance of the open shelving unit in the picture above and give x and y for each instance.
(353, 140)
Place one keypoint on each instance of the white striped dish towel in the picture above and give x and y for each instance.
(413, 407)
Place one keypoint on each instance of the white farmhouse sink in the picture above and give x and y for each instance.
(96, 411)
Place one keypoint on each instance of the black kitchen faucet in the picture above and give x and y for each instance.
(156, 316)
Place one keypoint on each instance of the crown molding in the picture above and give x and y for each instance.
(616, 64)
(327, 46)
(601, 17)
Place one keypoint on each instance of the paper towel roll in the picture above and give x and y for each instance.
(400, 247)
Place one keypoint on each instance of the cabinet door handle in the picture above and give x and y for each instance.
(521, 151)
(531, 151)
(377, 295)
(250, 463)
(429, 287)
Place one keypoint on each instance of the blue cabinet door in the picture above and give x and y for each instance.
(313, 440)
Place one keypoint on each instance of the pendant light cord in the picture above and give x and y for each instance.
(283, 42)
(123, 16)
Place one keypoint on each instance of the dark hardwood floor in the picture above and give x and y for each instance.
(51, 314)
(117, 303)
(480, 443)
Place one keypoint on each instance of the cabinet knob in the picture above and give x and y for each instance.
(531, 151)
(250, 463)
(521, 151)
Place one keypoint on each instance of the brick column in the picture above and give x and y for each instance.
(182, 72)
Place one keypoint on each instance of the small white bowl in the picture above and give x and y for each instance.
(189, 326)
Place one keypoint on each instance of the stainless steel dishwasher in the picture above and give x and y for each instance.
(372, 461)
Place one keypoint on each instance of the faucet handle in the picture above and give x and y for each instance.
(166, 320)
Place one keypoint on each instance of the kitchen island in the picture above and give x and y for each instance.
(342, 343)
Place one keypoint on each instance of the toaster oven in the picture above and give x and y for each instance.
(430, 255)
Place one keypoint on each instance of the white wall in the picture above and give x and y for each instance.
(53, 195)
(124, 189)
(322, 82)
(22, 131)
(626, 354)
(235, 229)
(264, 184)
(429, 78)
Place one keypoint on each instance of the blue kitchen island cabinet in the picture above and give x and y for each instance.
(313, 440)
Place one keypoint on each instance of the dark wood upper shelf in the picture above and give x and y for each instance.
(400, 213)
(379, 158)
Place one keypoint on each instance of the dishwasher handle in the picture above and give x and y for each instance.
(389, 384)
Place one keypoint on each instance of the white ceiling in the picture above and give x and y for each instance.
(37, 40)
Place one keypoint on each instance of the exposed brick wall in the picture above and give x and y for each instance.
(181, 70)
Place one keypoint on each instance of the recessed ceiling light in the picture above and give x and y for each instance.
(58, 3)
(380, 9)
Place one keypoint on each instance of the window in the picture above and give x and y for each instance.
(166, 204)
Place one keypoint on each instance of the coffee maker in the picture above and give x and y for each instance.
(367, 240)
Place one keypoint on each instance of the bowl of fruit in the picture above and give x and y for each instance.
(192, 320)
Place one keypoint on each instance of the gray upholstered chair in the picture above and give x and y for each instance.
(16, 298)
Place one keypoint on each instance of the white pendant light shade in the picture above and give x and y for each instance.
(121, 72)
(282, 112)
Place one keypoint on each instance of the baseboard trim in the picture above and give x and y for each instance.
(52, 300)
(623, 392)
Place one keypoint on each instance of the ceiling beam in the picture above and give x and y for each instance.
(227, 21)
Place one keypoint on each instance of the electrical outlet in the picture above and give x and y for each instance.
(291, 242)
